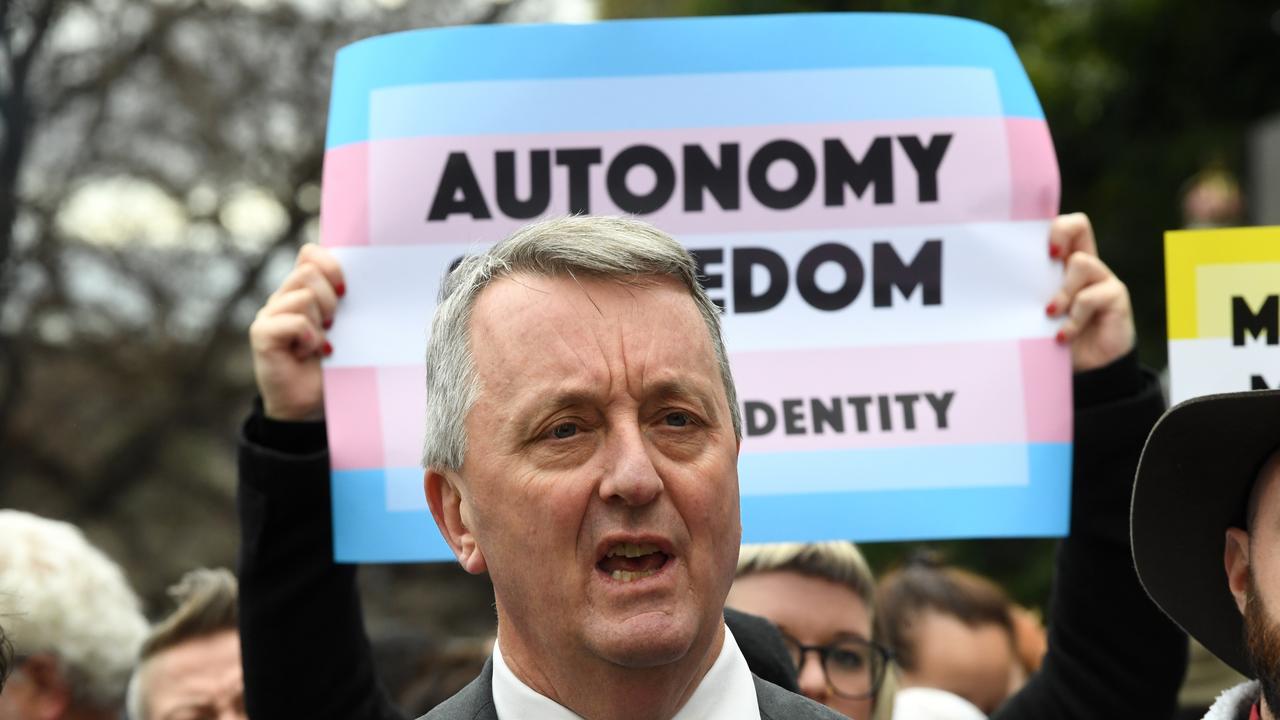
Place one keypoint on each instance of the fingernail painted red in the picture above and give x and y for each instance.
(1061, 337)
(328, 349)
(341, 289)
(1051, 309)
(1054, 251)
(328, 324)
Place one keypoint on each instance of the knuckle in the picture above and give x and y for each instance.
(307, 273)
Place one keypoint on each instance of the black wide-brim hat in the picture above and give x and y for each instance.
(1194, 479)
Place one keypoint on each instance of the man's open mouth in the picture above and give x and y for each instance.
(627, 562)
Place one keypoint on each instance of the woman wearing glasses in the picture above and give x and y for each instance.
(822, 597)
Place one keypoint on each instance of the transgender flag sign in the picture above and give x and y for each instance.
(868, 196)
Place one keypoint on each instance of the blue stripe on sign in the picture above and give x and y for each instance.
(869, 469)
(683, 101)
(365, 531)
(668, 47)
(404, 488)
(1039, 509)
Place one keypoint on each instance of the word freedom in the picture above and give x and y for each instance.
(848, 414)
(458, 191)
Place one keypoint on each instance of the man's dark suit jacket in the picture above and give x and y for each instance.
(475, 702)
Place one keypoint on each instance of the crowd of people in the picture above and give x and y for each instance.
(582, 438)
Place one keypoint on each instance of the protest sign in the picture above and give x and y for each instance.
(868, 197)
(1223, 289)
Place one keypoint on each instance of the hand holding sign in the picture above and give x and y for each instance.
(1095, 303)
(288, 336)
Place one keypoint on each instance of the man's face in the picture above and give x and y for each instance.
(1262, 639)
(600, 478)
(197, 680)
(1253, 560)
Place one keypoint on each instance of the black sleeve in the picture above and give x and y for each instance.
(303, 643)
(1112, 652)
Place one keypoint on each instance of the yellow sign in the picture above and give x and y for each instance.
(1223, 290)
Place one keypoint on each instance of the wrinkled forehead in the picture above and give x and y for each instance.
(530, 307)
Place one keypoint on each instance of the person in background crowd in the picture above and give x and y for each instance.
(1113, 655)
(1206, 536)
(1031, 641)
(190, 663)
(822, 598)
(74, 622)
(952, 630)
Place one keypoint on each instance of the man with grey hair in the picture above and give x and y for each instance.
(582, 448)
(74, 622)
(190, 663)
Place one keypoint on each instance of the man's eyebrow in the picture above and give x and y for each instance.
(550, 402)
(676, 389)
(680, 388)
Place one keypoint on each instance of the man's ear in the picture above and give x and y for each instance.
(1236, 559)
(52, 692)
(448, 507)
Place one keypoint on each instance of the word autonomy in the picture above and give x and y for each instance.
(459, 192)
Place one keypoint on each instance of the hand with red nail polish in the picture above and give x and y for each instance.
(1099, 317)
(289, 338)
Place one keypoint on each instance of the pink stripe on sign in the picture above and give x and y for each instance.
(1046, 382)
(972, 180)
(402, 392)
(344, 196)
(902, 396)
(1033, 165)
(351, 411)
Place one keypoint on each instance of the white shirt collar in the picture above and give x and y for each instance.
(726, 692)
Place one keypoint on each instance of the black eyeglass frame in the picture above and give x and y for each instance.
(878, 672)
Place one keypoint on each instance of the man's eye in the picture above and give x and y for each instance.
(678, 419)
(564, 430)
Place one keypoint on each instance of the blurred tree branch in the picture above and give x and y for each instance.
(159, 162)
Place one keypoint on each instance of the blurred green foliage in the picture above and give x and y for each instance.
(1140, 96)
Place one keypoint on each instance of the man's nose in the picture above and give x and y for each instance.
(811, 679)
(632, 478)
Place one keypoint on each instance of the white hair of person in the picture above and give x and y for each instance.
(621, 248)
(60, 596)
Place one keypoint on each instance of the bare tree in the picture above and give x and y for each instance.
(158, 158)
